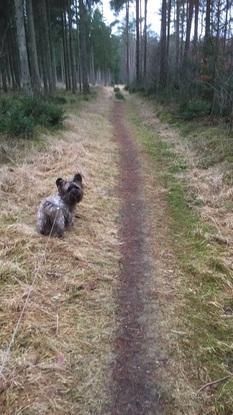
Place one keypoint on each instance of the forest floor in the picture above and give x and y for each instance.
(130, 312)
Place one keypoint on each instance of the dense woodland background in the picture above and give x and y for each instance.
(49, 43)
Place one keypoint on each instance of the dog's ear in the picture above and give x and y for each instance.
(77, 178)
(59, 182)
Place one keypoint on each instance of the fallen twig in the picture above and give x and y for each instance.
(214, 382)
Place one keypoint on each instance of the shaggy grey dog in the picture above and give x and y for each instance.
(56, 212)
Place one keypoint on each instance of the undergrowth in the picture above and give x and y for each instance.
(210, 139)
(206, 349)
(19, 116)
(23, 117)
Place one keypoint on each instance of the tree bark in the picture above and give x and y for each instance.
(145, 41)
(46, 45)
(177, 33)
(21, 39)
(137, 43)
(195, 38)
(163, 47)
(188, 32)
(66, 61)
(78, 47)
(83, 47)
(32, 49)
(182, 31)
(72, 57)
(207, 20)
(127, 41)
(168, 26)
(51, 46)
(226, 25)
(15, 55)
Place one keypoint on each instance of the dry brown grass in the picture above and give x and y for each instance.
(58, 363)
(213, 195)
(194, 270)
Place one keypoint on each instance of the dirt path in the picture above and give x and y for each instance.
(133, 393)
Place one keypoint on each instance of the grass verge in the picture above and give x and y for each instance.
(59, 361)
(26, 122)
(205, 351)
(209, 138)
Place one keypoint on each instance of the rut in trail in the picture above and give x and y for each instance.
(133, 392)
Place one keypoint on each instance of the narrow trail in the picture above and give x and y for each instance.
(133, 393)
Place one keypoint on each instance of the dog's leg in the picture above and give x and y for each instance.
(43, 223)
(69, 220)
(59, 224)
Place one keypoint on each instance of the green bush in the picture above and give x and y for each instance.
(195, 109)
(58, 100)
(18, 125)
(19, 116)
(43, 112)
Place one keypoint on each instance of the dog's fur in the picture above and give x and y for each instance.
(56, 212)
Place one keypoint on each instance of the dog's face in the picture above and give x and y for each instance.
(71, 191)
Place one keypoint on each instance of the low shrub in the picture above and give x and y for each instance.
(19, 116)
(58, 100)
(195, 109)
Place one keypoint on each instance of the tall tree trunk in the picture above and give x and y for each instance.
(8, 71)
(168, 26)
(226, 25)
(140, 40)
(62, 64)
(145, 41)
(127, 41)
(188, 33)
(32, 49)
(46, 45)
(195, 38)
(137, 42)
(78, 47)
(65, 54)
(177, 33)
(207, 20)
(182, 31)
(163, 47)
(3, 72)
(72, 57)
(83, 46)
(15, 55)
(11, 65)
(51, 46)
(21, 38)
(216, 56)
